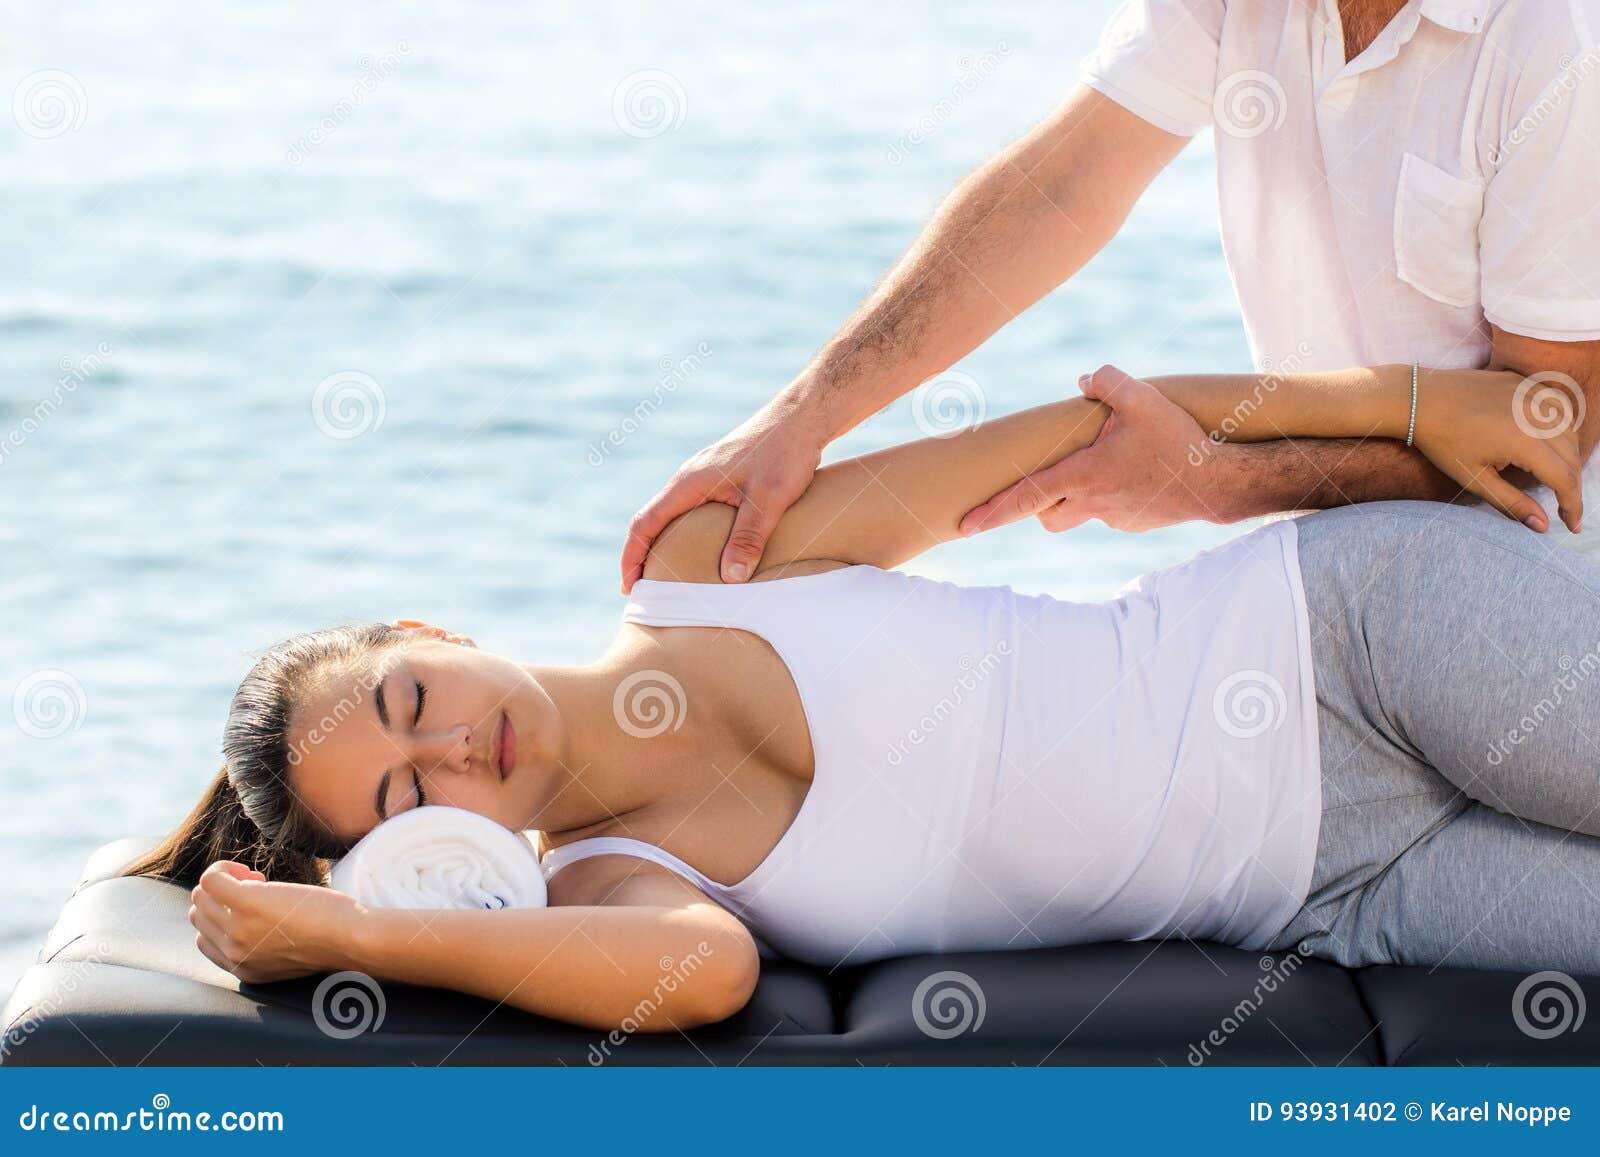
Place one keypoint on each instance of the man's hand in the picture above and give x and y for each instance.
(998, 243)
(762, 468)
(1148, 468)
(429, 631)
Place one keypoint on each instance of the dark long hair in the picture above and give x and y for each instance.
(250, 813)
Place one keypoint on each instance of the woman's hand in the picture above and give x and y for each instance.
(1509, 420)
(262, 931)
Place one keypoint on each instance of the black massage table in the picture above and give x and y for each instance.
(120, 982)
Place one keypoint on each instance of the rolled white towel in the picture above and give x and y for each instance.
(442, 857)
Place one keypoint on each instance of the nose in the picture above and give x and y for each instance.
(447, 750)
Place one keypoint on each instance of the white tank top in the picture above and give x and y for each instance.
(994, 770)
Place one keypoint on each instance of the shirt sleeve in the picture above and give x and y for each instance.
(1158, 60)
(1539, 239)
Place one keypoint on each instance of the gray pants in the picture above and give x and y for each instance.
(1457, 659)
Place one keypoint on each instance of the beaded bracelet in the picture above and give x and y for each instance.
(1411, 426)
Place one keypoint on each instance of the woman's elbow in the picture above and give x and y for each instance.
(725, 982)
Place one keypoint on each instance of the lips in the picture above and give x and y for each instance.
(506, 747)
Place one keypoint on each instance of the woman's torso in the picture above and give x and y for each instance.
(988, 770)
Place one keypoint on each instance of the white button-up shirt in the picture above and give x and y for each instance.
(1383, 210)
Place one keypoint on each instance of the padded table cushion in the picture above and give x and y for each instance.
(120, 981)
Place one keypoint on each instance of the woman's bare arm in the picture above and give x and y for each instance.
(889, 506)
(624, 944)
(648, 952)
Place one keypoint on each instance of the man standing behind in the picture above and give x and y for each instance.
(1401, 183)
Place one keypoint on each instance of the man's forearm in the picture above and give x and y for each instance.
(1007, 235)
(1318, 473)
(1313, 440)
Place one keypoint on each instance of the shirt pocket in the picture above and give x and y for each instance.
(1436, 219)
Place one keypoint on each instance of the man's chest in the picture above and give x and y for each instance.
(1353, 187)
(1362, 20)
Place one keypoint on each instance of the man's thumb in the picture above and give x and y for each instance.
(746, 542)
(1113, 387)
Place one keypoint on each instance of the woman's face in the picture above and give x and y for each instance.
(423, 721)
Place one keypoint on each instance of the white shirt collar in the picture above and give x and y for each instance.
(1458, 15)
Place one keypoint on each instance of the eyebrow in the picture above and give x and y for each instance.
(383, 707)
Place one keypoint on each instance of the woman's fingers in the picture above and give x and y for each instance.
(1547, 466)
(210, 929)
(233, 888)
(1568, 449)
(213, 915)
(209, 906)
(223, 878)
(1507, 499)
(213, 942)
(1563, 478)
(211, 952)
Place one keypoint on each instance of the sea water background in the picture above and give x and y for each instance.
(503, 227)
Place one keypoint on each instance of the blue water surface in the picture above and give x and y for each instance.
(492, 230)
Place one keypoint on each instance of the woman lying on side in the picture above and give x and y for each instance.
(1307, 735)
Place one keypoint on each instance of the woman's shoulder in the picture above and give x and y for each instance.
(689, 550)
